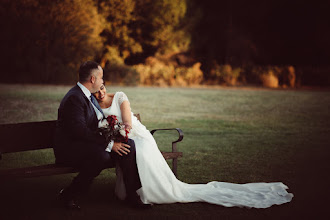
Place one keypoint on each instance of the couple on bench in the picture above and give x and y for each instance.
(143, 176)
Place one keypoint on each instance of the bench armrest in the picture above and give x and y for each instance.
(174, 142)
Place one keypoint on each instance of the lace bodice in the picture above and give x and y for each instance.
(121, 97)
(114, 109)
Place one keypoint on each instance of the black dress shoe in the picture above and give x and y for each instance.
(136, 202)
(68, 202)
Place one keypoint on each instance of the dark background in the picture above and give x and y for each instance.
(238, 32)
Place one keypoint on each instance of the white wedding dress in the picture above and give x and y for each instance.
(159, 184)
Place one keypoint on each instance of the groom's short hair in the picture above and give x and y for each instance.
(86, 70)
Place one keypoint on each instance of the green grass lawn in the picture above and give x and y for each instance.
(231, 135)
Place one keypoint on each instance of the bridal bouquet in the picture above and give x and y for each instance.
(112, 129)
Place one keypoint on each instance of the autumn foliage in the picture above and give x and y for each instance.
(155, 42)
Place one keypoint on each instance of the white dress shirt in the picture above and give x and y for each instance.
(88, 95)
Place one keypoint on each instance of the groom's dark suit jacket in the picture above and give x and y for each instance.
(76, 133)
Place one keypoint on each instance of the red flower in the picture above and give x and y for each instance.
(112, 131)
(112, 120)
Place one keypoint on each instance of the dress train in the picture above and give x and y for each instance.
(160, 186)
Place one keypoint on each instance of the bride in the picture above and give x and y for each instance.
(159, 184)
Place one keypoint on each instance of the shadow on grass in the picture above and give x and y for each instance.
(37, 199)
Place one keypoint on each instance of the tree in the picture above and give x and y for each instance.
(165, 18)
(47, 40)
(118, 31)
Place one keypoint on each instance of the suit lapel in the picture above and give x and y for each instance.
(88, 102)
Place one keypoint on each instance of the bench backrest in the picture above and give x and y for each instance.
(26, 136)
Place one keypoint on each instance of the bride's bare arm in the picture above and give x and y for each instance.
(125, 109)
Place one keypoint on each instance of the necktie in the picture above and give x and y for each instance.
(96, 104)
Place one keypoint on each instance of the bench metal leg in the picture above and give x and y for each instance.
(175, 160)
(175, 166)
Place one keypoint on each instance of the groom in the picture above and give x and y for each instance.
(78, 144)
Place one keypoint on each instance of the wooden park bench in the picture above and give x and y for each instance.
(39, 135)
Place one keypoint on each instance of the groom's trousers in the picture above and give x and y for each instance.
(98, 159)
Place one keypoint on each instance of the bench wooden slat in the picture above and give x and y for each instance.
(26, 136)
(171, 155)
(35, 171)
(53, 169)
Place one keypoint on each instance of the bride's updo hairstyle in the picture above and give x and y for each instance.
(86, 70)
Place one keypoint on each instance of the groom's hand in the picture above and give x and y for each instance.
(121, 148)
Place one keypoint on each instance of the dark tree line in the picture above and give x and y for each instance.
(259, 32)
(45, 41)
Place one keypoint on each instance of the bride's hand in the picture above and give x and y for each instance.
(128, 126)
(121, 148)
